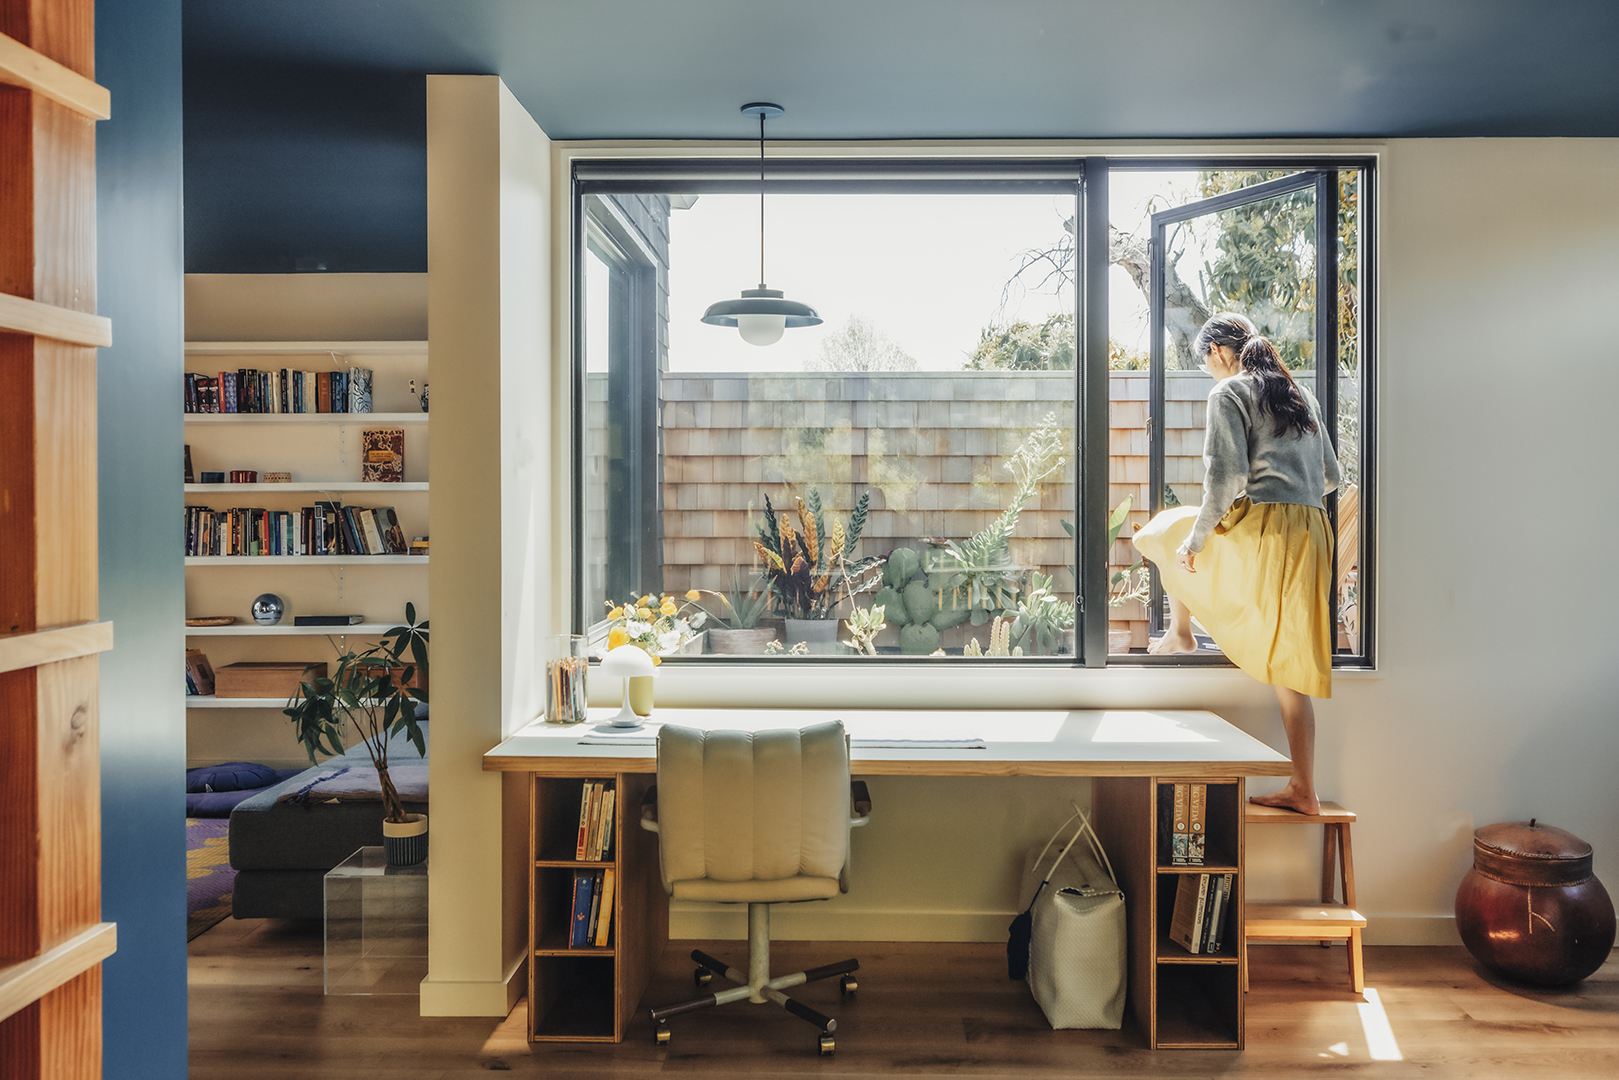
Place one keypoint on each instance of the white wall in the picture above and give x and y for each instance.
(1499, 266)
(489, 338)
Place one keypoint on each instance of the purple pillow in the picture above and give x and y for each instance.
(231, 776)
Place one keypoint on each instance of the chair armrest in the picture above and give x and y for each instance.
(860, 796)
(649, 809)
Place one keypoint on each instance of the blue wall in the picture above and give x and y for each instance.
(303, 168)
(138, 177)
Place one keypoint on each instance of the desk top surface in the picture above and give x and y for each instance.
(1097, 742)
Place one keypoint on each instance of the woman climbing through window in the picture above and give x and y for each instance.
(1253, 564)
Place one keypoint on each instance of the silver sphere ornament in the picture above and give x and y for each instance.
(268, 609)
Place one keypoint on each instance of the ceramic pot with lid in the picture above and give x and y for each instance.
(1531, 908)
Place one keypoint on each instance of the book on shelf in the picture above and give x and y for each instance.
(418, 545)
(1179, 830)
(1186, 920)
(584, 820)
(604, 921)
(603, 826)
(199, 674)
(189, 473)
(359, 390)
(1219, 898)
(1197, 798)
(382, 455)
(579, 925)
(326, 528)
(327, 620)
(249, 390)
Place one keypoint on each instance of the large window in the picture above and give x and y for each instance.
(933, 470)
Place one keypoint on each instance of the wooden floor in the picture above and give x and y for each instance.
(923, 1010)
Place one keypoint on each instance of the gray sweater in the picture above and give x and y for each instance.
(1244, 456)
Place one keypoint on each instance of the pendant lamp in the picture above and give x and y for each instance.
(763, 313)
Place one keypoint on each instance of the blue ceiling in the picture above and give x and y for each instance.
(325, 97)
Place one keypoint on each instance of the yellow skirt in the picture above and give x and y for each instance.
(1261, 587)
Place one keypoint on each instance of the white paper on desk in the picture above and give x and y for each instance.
(866, 733)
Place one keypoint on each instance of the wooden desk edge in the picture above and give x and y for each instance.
(598, 766)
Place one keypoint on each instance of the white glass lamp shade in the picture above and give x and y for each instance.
(761, 329)
(626, 662)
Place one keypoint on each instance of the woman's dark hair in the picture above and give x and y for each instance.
(1226, 328)
(1279, 395)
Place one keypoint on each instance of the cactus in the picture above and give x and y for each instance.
(891, 601)
(918, 639)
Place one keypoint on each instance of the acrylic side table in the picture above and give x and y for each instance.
(376, 925)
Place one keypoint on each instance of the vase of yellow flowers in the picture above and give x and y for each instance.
(658, 623)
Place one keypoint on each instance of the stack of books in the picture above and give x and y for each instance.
(592, 920)
(327, 528)
(1198, 923)
(1188, 843)
(596, 805)
(248, 390)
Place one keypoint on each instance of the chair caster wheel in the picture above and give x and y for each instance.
(829, 1045)
(702, 976)
(663, 1033)
(848, 984)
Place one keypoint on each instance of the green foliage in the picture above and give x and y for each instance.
(903, 563)
(741, 609)
(892, 603)
(1041, 618)
(919, 602)
(809, 569)
(1025, 346)
(363, 690)
(864, 626)
(918, 639)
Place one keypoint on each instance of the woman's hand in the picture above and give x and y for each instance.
(1186, 559)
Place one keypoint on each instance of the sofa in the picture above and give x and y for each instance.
(281, 850)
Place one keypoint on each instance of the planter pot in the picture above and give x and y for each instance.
(1118, 641)
(405, 843)
(820, 634)
(724, 642)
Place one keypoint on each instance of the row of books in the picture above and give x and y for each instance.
(592, 920)
(596, 805)
(1188, 837)
(1198, 923)
(327, 528)
(249, 390)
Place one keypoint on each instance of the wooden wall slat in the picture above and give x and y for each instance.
(69, 798)
(19, 823)
(19, 651)
(64, 207)
(23, 67)
(65, 511)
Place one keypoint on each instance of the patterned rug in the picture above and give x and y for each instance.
(209, 877)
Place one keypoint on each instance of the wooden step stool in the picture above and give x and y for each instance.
(1329, 920)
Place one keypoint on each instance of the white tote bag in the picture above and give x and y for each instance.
(1077, 955)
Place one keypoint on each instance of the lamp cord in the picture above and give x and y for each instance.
(761, 199)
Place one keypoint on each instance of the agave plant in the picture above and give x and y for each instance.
(371, 690)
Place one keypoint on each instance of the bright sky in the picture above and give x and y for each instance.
(927, 270)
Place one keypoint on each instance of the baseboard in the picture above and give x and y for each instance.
(808, 922)
(474, 998)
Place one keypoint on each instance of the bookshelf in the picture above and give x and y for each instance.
(1181, 1000)
(322, 451)
(588, 994)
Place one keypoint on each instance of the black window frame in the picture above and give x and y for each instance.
(1086, 177)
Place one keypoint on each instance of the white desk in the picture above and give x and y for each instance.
(1178, 1000)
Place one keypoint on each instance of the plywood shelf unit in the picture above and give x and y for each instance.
(1180, 1000)
(589, 994)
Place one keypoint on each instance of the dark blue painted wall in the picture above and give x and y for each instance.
(138, 191)
(295, 167)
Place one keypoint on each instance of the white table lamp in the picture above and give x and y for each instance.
(626, 662)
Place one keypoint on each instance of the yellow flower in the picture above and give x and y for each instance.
(616, 613)
(648, 600)
(643, 614)
(656, 660)
(668, 606)
(692, 595)
(616, 637)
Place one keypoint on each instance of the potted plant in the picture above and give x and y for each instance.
(374, 690)
(734, 628)
(809, 569)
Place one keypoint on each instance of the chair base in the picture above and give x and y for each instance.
(756, 985)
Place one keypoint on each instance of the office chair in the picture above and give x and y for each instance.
(755, 818)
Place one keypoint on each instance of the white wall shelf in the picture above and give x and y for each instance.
(293, 348)
(247, 629)
(307, 418)
(305, 485)
(208, 701)
(306, 560)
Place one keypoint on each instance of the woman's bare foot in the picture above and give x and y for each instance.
(1173, 641)
(1290, 798)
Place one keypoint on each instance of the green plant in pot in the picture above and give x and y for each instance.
(373, 691)
(809, 568)
(734, 617)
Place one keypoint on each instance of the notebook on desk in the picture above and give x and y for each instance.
(865, 733)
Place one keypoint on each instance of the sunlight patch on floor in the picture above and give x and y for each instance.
(1380, 1042)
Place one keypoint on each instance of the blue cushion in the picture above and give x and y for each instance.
(231, 776)
(209, 804)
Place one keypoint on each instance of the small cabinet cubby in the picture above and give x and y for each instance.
(587, 993)
(1180, 1000)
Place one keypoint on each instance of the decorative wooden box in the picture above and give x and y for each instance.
(263, 679)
